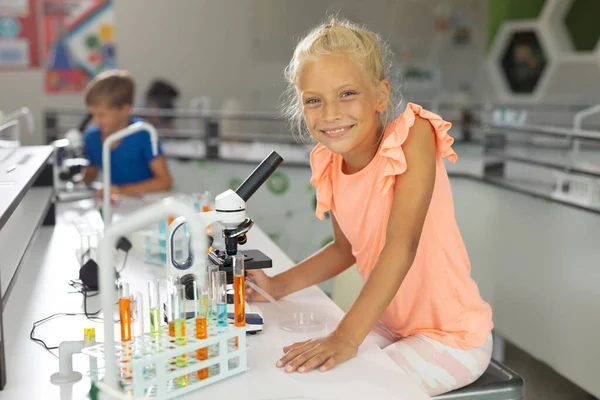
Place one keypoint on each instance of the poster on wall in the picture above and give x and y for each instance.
(79, 42)
(19, 34)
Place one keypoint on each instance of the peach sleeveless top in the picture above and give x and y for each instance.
(438, 297)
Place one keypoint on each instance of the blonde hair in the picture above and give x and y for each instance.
(114, 88)
(338, 36)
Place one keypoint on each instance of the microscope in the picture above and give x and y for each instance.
(230, 207)
(230, 215)
(69, 160)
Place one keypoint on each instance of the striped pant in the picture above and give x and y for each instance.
(435, 367)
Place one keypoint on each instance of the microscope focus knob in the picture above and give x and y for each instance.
(242, 239)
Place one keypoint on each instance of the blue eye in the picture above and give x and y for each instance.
(348, 93)
(311, 101)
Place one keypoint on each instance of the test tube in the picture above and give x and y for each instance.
(138, 314)
(180, 329)
(206, 201)
(239, 303)
(154, 307)
(201, 313)
(221, 297)
(125, 311)
(212, 306)
(89, 335)
(171, 283)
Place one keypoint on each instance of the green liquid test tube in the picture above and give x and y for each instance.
(180, 330)
(154, 307)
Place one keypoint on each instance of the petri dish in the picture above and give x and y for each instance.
(302, 321)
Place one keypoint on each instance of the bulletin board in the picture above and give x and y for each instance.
(79, 42)
(19, 35)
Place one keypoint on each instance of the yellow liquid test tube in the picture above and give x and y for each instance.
(180, 330)
(201, 314)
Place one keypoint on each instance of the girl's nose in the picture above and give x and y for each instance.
(331, 111)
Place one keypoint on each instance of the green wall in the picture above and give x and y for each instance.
(583, 24)
(506, 10)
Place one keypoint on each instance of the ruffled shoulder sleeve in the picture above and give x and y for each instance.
(321, 161)
(395, 136)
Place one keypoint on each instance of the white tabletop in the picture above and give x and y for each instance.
(43, 290)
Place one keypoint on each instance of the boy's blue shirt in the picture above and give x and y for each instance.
(130, 160)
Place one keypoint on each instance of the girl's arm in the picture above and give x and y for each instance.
(328, 262)
(324, 264)
(412, 195)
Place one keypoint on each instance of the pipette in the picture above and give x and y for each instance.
(263, 293)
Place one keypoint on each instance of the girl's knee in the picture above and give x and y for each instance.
(439, 369)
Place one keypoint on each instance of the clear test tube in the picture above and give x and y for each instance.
(138, 314)
(221, 298)
(125, 309)
(239, 303)
(154, 308)
(201, 314)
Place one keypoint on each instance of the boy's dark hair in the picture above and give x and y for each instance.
(114, 88)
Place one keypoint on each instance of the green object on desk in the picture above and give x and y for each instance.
(93, 394)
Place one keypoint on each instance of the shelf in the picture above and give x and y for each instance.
(543, 130)
(579, 169)
(25, 165)
(19, 232)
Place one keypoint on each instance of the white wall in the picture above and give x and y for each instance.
(238, 49)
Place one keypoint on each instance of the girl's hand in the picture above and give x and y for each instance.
(261, 280)
(324, 353)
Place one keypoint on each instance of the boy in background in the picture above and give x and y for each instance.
(134, 168)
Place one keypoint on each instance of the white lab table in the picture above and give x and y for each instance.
(43, 290)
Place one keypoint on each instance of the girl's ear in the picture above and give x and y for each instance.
(382, 95)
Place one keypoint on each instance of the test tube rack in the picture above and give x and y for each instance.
(148, 365)
(153, 245)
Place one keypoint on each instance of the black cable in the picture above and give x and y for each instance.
(124, 263)
(80, 288)
(40, 341)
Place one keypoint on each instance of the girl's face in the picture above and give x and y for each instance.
(340, 104)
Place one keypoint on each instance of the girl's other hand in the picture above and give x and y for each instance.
(322, 353)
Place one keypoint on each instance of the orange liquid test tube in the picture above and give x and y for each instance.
(239, 302)
(125, 312)
(202, 354)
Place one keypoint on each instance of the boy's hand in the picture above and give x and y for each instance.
(114, 190)
(324, 353)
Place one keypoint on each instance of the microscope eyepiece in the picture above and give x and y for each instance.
(259, 176)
